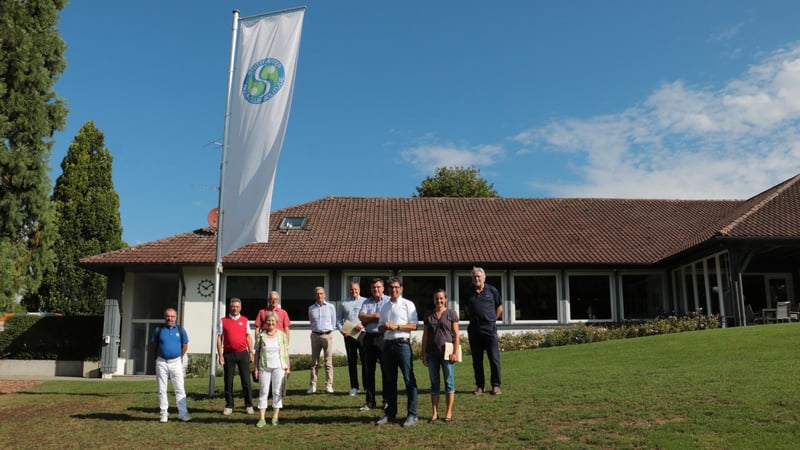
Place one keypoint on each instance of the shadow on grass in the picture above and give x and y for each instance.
(116, 417)
(79, 394)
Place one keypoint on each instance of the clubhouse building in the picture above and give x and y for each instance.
(556, 261)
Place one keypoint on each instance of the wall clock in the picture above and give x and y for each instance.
(205, 288)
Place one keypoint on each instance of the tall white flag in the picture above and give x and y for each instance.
(261, 97)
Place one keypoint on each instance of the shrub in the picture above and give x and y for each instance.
(584, 333)
(52, 337)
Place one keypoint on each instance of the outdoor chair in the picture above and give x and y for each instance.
(751, 317)
(782, 312)
(794, 315)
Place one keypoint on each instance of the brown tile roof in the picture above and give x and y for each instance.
(461, 231)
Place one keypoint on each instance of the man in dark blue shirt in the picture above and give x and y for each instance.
(484, 307)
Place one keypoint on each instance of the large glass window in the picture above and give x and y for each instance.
(589, 297)
(466, 289)
(364, 280)
(419, 288)
(153, 294)
(535, 297)
(297, 293)
(252, 290)
(642, 296)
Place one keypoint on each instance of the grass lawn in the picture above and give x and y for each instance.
(724, 388)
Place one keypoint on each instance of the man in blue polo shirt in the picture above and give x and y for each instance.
(169, 343)
(484, 307)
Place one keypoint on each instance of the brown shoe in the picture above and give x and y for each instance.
(496, 390)
(478, 391)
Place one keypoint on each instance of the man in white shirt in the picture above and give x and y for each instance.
(398, 318)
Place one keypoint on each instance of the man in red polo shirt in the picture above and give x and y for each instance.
(274, 305)
(235, 349)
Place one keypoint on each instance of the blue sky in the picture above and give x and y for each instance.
(643, 99)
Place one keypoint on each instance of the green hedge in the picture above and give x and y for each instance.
(73, 338)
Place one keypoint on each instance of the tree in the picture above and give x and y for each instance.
(87, 215)
(456, 182)
(31, 60)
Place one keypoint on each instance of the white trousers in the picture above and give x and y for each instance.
(276, 376)
(170, 369)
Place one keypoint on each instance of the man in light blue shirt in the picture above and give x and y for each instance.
(373, 340)
(322, 317)
(348, 312)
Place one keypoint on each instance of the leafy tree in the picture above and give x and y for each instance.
(31, 60)
(456, 182)
(87, 214)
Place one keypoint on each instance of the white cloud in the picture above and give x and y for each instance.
(726, 34)
(427, 158)
(687, 141)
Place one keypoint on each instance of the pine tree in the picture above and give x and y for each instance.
(87, 214)
(31, 60)
(456, 182)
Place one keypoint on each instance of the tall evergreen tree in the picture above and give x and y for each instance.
(31, 60)
(456, 182)
(87, 215)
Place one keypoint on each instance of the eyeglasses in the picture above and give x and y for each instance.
(395, 287)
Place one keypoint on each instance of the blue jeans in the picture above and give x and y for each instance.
(398, 356)
(448, 370)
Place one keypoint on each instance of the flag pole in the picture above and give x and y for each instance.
(215, 315)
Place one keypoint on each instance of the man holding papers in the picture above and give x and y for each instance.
(351, 328)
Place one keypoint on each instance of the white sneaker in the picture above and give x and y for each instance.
(364, 408)
(227, 411)
(353, 392)
(164, 418)
(329, 389)
(185, 417)
(249, 410)
(311, 389)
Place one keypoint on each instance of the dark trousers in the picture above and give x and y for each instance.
(398, 356)
(354, 351)
(372, 357)
(231, 361)
(484, 342)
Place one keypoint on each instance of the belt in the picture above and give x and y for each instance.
(321, 332)
(170, 360)
(397, 341)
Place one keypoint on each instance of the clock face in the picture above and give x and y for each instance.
(205, 288)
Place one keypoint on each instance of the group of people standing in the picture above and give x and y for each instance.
(376, 329)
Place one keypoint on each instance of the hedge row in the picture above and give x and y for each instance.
(73, 338)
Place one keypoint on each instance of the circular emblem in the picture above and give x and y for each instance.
(205, 288)
(264, 80)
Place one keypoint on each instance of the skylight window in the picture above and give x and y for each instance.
(292, 223)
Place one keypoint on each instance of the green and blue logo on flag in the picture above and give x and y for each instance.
(264, 79)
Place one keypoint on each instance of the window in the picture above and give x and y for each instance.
(297, 293)
(535, 296)
(252, 290)
(589, 296)
(153, 293)
(419, 288)
(465, 290)
(364, 281)
(292, 223)
(642, 295)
